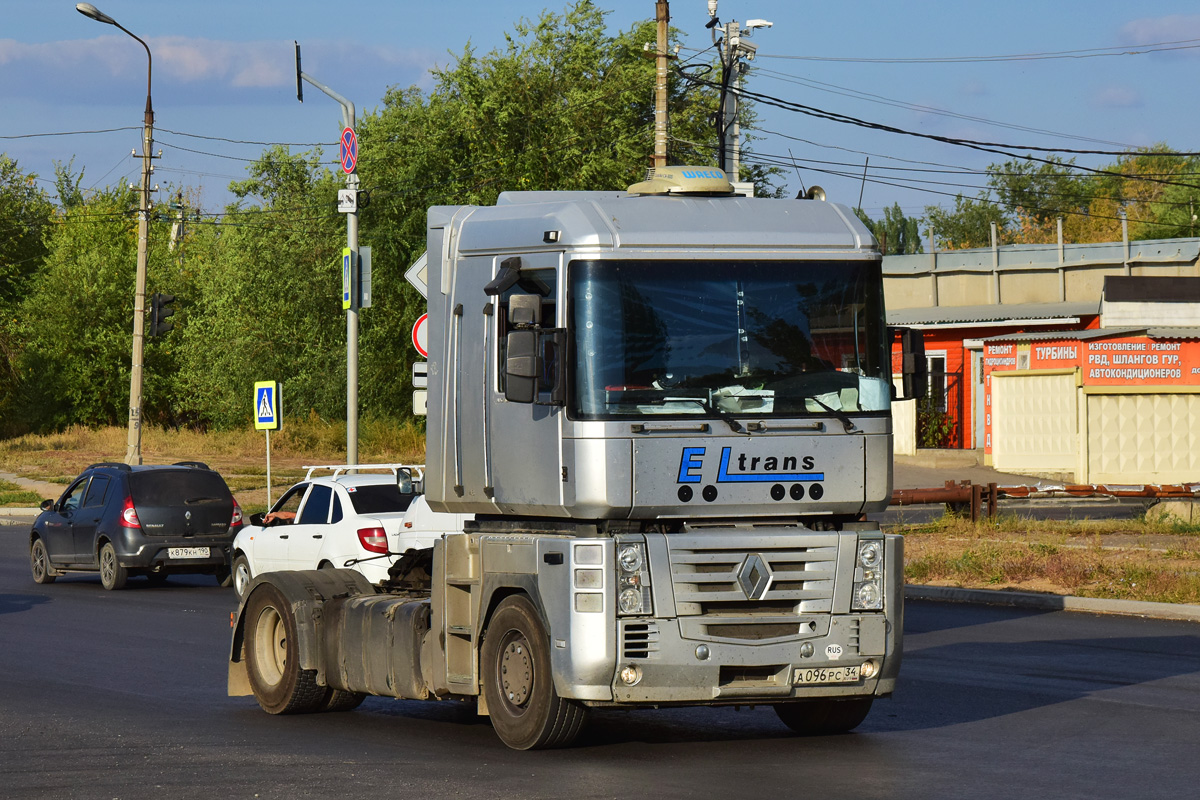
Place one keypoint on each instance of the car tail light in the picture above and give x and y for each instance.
(236, 520)
(129, 517)
(373, 540)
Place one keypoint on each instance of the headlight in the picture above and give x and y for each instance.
(869, 554)
(868, 576)
(633, 579)
(630, 557)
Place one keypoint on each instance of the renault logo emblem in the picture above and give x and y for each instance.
(754, 576)
(187, 515)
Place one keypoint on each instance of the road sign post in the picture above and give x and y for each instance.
(268, 416)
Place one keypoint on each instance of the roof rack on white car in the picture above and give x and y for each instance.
(415, 471)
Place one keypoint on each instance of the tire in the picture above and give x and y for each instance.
(39, 563)
(241, 576)
(224, 576)
(824, 717)
(339, 700)
(112, 574)
(272, 660)
(526, 711)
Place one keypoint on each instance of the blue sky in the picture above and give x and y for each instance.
(225, 70)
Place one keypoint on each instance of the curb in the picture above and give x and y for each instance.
(20, 512)
(1053, 602)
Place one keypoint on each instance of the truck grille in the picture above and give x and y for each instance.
(753, 586)
(639, 639)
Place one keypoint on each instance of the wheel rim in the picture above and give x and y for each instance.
(39, 560)
(108, 565)
(241, 577)
(270, 646)
(516, 671)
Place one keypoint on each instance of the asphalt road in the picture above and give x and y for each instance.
(122, 695)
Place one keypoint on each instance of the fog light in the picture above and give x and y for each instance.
(702, 652)
(630, 675)
(806, 650)
(630, 601)
(869, 595)
(869, 669)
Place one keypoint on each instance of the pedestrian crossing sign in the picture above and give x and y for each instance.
(266, 406)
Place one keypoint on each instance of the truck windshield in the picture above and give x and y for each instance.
(768, 338)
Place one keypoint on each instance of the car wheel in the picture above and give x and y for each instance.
(272, 659)
(39, 563)
(112, 574)
(224, 576)
(526, 711)
(824, 717)
(241, 575)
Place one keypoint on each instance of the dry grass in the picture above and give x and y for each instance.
(1122, 559)
(238, 455)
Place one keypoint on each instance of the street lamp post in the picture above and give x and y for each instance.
(133, 445)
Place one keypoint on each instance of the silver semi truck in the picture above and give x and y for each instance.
(668, 410)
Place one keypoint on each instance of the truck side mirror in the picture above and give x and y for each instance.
(914, 369)
(522, 366)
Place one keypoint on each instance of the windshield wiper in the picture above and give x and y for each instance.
(842, 416)
(724, 416)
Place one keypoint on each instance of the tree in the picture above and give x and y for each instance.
(897, 234)
(562, 106)
(26, 214)
(968, 225)
(266, 304)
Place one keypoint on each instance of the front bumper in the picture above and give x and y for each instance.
(685, 671)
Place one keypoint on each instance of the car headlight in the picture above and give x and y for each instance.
(868, 576)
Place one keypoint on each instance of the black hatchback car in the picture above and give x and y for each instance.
(152, 520)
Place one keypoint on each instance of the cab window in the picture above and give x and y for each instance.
(74, 496)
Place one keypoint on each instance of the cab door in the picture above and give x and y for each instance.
(308, 534)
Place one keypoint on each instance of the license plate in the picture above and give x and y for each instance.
(187, 552)
(804, 676)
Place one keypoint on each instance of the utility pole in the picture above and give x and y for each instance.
(733, 46)
(662, 14)
(133, 441)
(348, 120)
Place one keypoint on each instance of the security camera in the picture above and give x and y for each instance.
(751, 24)
(712, 8)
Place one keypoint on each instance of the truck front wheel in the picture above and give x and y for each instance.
(272, 659)
(823, 717)
(526, 711)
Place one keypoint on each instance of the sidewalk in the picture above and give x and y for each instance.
(930, 469)
(48, 491)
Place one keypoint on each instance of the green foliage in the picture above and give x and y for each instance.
(935, 427)
(897, 234)
(562, 105)
(968, 225)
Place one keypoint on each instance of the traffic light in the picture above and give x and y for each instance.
(160, 310)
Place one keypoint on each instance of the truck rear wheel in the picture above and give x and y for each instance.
(340, 700)
(526, 711)
(272, 657)
(823, 717)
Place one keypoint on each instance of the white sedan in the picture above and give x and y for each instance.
(362, 521)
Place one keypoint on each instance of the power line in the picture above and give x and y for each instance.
(1090, 52)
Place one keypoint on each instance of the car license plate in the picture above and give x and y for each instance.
(804, 676)
(187, 552)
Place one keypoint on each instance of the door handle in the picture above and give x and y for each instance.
(318, 535)
(283, 536)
